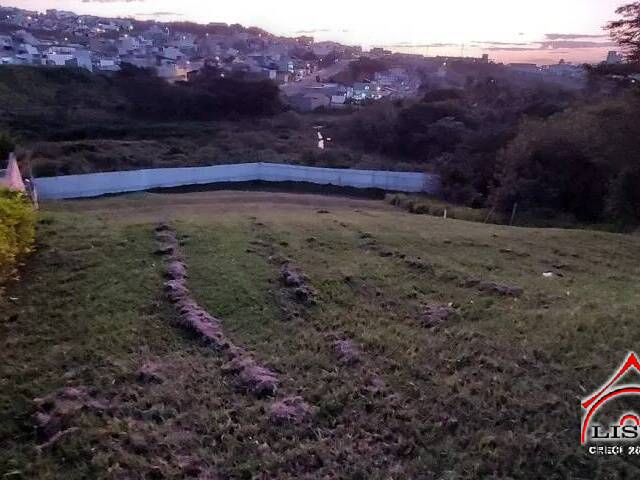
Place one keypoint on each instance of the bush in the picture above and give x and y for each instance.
(422, 205)
(17, 230)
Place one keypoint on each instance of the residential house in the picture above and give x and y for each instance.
(107, 65)
(524, 67)
(566, 70)
(58, 55)
(27, 37)
(338, 101)
(614, 58)
(82, 59)
(127, 44)
(103, 46)
(140, 61)
(282, 77)
(365, 91)
(107, 26)
(380, 52)
(6, 44)
(26, 54)
(395, 77)
(24, 19)
(325, 48)
(172, 53)
(61, 14)
(184, 42)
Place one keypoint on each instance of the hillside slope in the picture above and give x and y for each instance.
(419, 355)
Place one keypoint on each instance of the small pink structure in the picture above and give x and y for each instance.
(12, 177)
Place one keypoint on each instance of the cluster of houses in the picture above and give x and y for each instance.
(396, 82)
(176, 51)
(572, 75)
(61, 38)
(560, 70)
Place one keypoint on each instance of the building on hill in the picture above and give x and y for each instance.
(613, 58)
(107, 65)
(27, 37)
(325, 48)
(61, 14)
(564, 69)
(393, 77)
(524, 67)
(81, 59)
(380, 52)
(362, 91)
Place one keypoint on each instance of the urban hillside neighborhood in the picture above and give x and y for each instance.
(311, 74)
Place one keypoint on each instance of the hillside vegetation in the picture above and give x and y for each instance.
(17, 231)
(497, 143)
(432, 348)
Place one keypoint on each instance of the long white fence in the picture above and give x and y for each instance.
(96, 184)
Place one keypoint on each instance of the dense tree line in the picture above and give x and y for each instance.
(207, 96)
(39, 102)
(496, 144)
(585, 161)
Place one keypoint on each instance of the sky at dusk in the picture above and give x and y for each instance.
(540, 31)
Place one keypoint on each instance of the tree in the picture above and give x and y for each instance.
(544, 172)
(626, 31)
(584, 161)
(623, 203)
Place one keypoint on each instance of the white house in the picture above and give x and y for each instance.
(338, 100)
(83, 59)
(107, 65)
(57, 59)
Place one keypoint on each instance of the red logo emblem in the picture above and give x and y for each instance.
(627, 428)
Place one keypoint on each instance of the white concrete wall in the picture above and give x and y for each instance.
(96, 184)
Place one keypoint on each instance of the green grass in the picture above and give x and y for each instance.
(494, 393)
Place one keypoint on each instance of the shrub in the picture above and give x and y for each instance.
(17, 230)
(423, 205)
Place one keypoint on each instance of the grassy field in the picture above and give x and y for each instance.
(491, 391)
